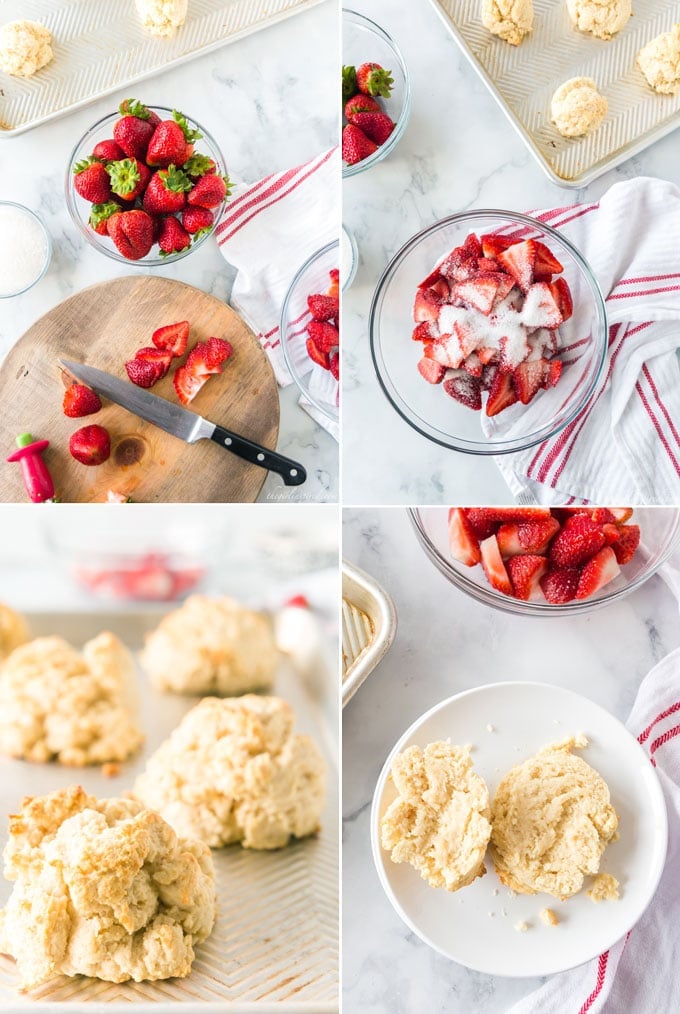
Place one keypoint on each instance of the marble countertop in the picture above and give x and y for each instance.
(458, 152)
(445, 643)
(254, 96)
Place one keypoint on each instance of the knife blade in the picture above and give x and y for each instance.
(181, 423)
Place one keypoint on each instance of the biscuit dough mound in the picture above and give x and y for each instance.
(25, 48)
(73, 707)
(233, 771)
(13, 631)
(601, 18)
(439, 822)
(211, 646)
(162, 17)
(511, 20)
(102, 888)
(552, 820)
(577, 108)
(659, 61)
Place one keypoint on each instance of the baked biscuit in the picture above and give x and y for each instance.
(58, 704)
(510, 20)
(211, 646)
(102, 888)
(25, 48)
(233, 771)
(439, 822)
(603, 888)
(13, 630)
(577, 108)
(162, 17)
(552, 819)
(601, 18)
(659, 61)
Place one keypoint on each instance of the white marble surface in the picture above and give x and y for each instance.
(445, 643)
(458, 152)
(254, 96)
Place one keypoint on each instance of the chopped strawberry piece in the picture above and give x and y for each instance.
(528, 378)
(464, 389)
(492, 244)
(629, 540)
(479, 292)
(473, 365)
(298, 602)
(540, 307)
(463, 542)
(424, 309)
(432, 371)
(560, 584)
(471, 246)
(579, 539)
(334, 364)
(501, 395)
(219, 351)
(80, 401)
(597, 572)
(487, 264)
(324, 335)
(518, 260)
(612, 534)
(602, 516)
(546, 263)
(143, 373)
(553, 373)
(431, 279)
(488, 375)
(525, 573)
(532, 536)
(622, 514)
(323, 307)
(426, 331)
(493, 565)
(173, 337)
(316, 354)
(187, 383)
(562, 295)
(485, 521)
(151, 354)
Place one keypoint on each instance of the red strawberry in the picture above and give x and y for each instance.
(612, 534)
(432, 371)
(518, 260)
(171, 142)
(334, 287)
(208, 192)
(480, 291)
(545, 263)
(473, 365)
(376, 126)
(540, 307)
(131, 107)
(129, 178)
(529, 377)
(173, 237)
(489, 374)
(425, 332)
(598, 571)
(553, 373)
(355, 145)
(108, 151)
(466, 390)
(463, 542)
(172, 337)
(188, 384)
(196, 221)
(166, 191)
(323, 307)
(526, 572)
(150, 354)
(133, 132)
(621, 514)
(298, 602)
(493, 565)
(317, 355)
(560, 584)
(562, 296)
(526, 536)
(629, 540)
(602, 516)
(372, 79)
(100, 215)
(334, 364)
(579, 539)
(219, 351)
(492, 245)
(132, 233)
(361, 104)
(80, 400)
(144, 373)
(324, 335)
(90, 445)
(91, 181)
(199, 165)
(486, 520)
(501, 395)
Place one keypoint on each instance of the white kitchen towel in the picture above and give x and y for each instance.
(624, 447)
(640, 973)
(268, 231)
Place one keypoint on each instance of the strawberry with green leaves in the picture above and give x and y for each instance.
(172, 142)
(100, 215)
(197, 221)
(372, 79)
(377, 126)
(166, 191)
(91, 181)
(132, 233)
(199, 165)
(129, 178)
(135, 129)
(173, 237)
(209, 191)
(361, 104)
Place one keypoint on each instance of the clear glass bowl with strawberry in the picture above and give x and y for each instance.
(146, 185)
(547, 561)
(365, 43)
(542, 405)
(310, 330)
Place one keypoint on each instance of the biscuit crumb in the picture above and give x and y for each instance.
(549, 917)
(522, 926)
(110, 770)
(490, 728)
(603, 888)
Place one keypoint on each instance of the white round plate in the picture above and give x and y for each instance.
(476, 925)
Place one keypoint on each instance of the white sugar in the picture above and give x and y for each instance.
(23, 249)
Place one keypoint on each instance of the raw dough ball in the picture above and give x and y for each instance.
(103, 888)
(552, 820)
(211, 646)
(577, 107)
(511, 20)
(233, 771)
(439, 823)
(659, 61)
(24, 48)
(602, 18)
(13, 630)
(60, 704)
(162, 17)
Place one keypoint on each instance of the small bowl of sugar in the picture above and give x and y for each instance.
(25, 249)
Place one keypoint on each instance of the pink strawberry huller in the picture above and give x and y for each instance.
(35, 473)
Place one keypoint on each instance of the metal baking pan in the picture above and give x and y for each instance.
(100, 46)
(275, 942)
(523, 78)
(369, 623)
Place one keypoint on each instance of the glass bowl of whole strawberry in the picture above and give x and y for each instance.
(488, 332)
(146, 184)
(547, 561)
(310, 330)
(376, 94)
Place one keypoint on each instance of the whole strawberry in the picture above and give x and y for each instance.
(355, 145)
(199, 165)
(376, 126)
(173, 237)
(134, 130)
(372, 79)
(100, 215)
(208, 192)
(132, 233)
(90, 445)
(196, 221)
(129, 178)
(361, 104)
(107, 151)
(172, 142)
(131, 107)
(80, 400)
(91, 181)
(166, 191)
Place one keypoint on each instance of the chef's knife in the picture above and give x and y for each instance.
(178, 421)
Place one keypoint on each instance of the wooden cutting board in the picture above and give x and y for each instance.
(103, 326)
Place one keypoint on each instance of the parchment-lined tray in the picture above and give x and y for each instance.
(523, 78)
(275, 942)
(369, 623)
(100, 46)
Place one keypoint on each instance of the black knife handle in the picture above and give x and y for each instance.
(292, 473)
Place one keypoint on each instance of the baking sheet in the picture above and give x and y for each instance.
(523, 78)
(99, 47)
(369, 623)
(275, 942)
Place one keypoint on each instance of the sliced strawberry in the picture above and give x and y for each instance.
(486, 355)
(602, 516)
(425, 331)
(446, 350)
(432, 371)
(560, 584)
(80, 401)
(323, 307)
(493, 565)
(562, 295)
(187, 383)
(143, 373)
(488, 375)
(531, 536)
(465, 389)
(172, 337)
(479, 292)
(334, 364)
(473, 365)
(493, 245)
(424, 308)
(204, 361)
(487, 264)
(540, 307)
(501, 395)
(553, 373)
(525, 573)
(597, 572)
(505, 286)
(579, 539)
(471, 246)
(629, 540)
(518, 260)
(621, 514)
(546, 263)
(612, 534)
(316, 354)
(431, 279)
(151, 354)
(485, 521)
(324, 335)
(463, 542)
(527, 379)
(218, 352)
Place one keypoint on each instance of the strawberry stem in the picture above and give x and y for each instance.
(190, 133)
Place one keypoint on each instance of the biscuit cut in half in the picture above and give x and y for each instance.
(102, 888)
(77, 708)
(552, 819)
(13, 631)
(211, 646)
(439, 822)
(234, 771)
